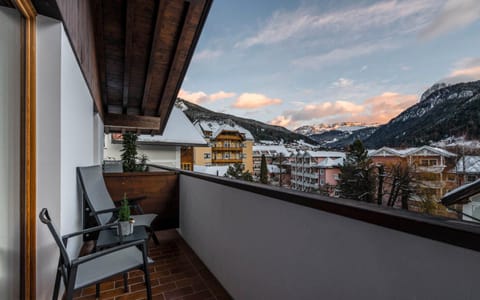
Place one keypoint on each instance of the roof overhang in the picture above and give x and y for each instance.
(133, 54)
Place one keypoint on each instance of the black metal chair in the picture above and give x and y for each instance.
(101, 205)
(96, 267)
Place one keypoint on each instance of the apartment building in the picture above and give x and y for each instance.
(227, 144)
(278, 165)
(306, 169)
(431, 166)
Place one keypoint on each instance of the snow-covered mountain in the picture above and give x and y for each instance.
(321, 128)
(451, 110)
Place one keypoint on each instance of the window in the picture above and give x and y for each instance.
(471, 178)
(226, 155)
(207, 155)
(432, 162)
(187, 166)
(424, 162)
(244, 155)
(451, 177)
(322, 182)
(322, 171)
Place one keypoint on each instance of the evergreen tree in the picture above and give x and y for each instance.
(236, 171)
(129, 152)
(263, 170)
(357, 179)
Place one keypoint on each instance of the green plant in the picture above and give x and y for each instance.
(124, 211)
(129, 154)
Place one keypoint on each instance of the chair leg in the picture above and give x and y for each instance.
(125, 282)
(147, 283)
(152, 233)
(57, 284)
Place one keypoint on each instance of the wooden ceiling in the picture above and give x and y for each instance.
(133, 54)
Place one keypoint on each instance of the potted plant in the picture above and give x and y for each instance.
(125, 221)
(130, 161)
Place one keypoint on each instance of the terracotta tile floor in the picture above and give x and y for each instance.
(176, 274)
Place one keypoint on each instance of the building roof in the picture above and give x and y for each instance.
(319, 154)
(416, 151)
(216, 127)
(179, 131)
(461, 194)
(212, 170)
(471, 166)
(270, 150)
(330, 162)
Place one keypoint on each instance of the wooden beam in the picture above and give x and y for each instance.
(127, 66)
(131, 122)
(97, 6)
(192, 27)
(162, 7)
(28, 214)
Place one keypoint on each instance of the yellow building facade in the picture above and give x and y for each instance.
(228, 144)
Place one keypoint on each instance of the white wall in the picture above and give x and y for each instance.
(9, 153)
(264, 248)
(157, 154)
(69, 134)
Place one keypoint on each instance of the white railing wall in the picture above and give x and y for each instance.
(260, 247)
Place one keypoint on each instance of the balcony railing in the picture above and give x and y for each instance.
(264, 242)
(226, 160)
(231, 148)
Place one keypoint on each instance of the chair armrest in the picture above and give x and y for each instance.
(104, 211)
(89, 257)
(88, 230)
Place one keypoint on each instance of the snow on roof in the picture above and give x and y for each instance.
(325, 153)
(216, 127)
(212, 170)
(330, 162)
(416, 151)
(271, 149)
(273, 169)
(179, 130)
(472, 164)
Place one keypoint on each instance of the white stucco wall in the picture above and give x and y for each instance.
(260, 247)
(69, 134)
(157, 154)
(9, 153)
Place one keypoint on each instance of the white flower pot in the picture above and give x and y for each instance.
(125, 227)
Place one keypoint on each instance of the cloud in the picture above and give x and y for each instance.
(201, 97)
(282, 26)
(325, 109)
(207, 54)
(379, 109)
(455, 14)
(339, 55)
(342, 82)
(464, 70)
(253, 101)
(282, 121)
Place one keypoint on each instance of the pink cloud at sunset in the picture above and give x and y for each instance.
(253, 101)
(379, 109)
(201, 97)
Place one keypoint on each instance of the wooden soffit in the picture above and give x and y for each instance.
(133, 54)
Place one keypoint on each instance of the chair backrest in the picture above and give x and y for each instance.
(95, 192)
(45, 218)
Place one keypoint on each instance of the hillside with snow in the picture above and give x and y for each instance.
(444, 111)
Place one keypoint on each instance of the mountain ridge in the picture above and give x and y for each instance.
(260, 130)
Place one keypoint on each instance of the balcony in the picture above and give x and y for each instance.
(226, 160)
(231, 148)
(264, 242)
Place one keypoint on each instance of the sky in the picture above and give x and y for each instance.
(303, 62)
